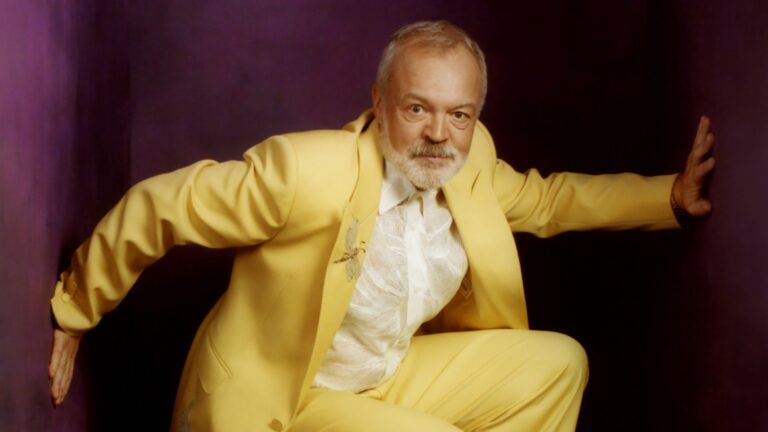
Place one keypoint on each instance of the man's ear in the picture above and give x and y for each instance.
(376, 99)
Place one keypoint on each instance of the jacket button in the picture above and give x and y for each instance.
(276, 425)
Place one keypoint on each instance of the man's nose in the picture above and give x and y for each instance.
(436, 131)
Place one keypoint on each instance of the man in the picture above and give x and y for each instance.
(377, 285)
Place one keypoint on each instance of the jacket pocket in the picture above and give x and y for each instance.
(212, 369)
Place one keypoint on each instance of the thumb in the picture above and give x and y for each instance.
(700, 207)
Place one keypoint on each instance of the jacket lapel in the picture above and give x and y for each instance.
(493, 295)
(346, 259)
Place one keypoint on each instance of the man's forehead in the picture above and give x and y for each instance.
(410, 59)
(422, 65)
(418, 49)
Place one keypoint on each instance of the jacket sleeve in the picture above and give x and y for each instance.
(236, 203)
(569, 201)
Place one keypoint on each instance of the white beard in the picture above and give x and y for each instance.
(417, 170)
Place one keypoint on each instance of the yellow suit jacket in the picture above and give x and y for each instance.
(299, 207)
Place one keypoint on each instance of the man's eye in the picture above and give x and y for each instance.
(416, 109)
(458, 115)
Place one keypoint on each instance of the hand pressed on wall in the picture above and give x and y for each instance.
(688, 189)
(62, 364)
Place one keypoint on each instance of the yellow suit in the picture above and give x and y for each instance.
(300, 207)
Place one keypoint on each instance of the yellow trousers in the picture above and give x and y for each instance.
(490, 380)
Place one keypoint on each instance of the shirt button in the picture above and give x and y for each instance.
(66, 297)
(276, 425)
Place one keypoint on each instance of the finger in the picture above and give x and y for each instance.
(700, 150)
(56, 390)
(62, 386)
(701, 170)
(65, 376)
(52, 366)
(57, 361)
(61, 390)
(55, 356)
(62, 364)
(697, 174)
(700, 140)
(56, 383)
(703, 129)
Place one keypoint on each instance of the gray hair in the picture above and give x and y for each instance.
(435, 34)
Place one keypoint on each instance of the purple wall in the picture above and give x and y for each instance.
(210, 79)
(56, 83)
(714, 58)
(37, 118)
(96, 95)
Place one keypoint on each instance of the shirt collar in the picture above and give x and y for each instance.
(395, 188)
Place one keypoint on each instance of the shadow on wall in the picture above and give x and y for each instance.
(132, 361)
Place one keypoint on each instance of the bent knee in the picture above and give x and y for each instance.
(560, 356)
(567, 356)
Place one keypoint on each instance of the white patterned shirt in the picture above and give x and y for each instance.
(413, 266)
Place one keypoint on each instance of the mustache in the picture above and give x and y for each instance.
(433, 150)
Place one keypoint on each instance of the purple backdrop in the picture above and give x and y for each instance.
(63, 81)
(713, 58)
(96, 95)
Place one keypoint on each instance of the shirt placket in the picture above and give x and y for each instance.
(418, 279)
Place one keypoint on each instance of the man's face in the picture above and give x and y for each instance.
(427, 112)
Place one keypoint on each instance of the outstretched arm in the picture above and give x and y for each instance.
(687, 191)
(62, 364)
(570, 201)
(236, 203)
